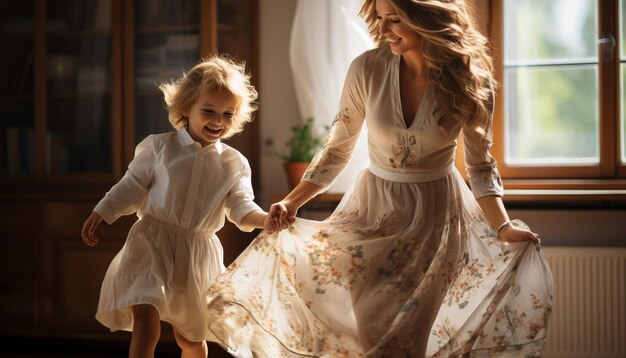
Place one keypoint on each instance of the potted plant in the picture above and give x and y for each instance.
(303, 145)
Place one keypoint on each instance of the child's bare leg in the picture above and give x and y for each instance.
(191, 349)
(146, 331)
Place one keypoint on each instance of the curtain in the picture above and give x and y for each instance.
(326, 35)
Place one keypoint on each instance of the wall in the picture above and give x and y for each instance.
(278, 104)
(576, 227)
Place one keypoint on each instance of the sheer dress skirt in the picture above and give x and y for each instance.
(402, 268)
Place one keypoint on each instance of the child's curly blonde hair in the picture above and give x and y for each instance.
(216, 73)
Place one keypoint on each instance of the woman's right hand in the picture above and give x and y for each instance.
(89, 229)
(283, 214)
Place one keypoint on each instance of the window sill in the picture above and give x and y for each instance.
(565, 197)
(567, 193)
(539, 194)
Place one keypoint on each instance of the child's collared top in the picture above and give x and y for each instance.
(174, 179)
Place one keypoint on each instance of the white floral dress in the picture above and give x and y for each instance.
(406, 266)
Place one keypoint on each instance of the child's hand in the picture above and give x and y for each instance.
(271, 225)
(274, 224)
(281, 215)
(89, 229)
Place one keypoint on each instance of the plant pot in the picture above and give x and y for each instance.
(295, 171)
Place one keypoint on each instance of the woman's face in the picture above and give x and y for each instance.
(400, 38)
(211, 116)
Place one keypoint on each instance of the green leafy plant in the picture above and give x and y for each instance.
(303, 143)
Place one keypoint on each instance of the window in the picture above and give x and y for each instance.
(559, 122)
(551, 81)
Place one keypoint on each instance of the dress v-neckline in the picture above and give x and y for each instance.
(398, 96)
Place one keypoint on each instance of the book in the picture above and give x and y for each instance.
(19, 150)
(13, 150)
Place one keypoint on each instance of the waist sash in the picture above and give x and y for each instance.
(412, 177)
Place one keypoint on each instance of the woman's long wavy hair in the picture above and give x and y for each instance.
(216, 73)
(456, 53)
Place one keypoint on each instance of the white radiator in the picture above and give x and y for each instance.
(589, 307)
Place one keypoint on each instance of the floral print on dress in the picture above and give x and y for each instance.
(515, 317)
(403, 151)
(471, 279)
(344, 116)
(334, 265)
(326, 162)
(323, 254)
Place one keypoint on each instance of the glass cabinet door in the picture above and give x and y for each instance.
(166, 43)
(234, 31)
(78, 86)
(16, 93)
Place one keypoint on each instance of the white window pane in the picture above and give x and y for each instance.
(537, 30)
(551, 82)
(552, 115)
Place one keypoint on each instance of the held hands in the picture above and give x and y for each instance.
(270, 225)
(89, 229)
(280, 217)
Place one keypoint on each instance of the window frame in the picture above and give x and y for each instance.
(606, 181)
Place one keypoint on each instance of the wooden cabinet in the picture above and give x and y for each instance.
(18, 266)
(79, 92)
(70, 274)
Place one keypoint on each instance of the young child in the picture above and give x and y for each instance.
(180, 184)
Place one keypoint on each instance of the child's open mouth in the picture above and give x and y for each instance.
(213, 132)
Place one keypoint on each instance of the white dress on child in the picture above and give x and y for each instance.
(406, 266)
(180, 192)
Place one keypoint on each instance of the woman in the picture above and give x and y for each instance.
(411, 263)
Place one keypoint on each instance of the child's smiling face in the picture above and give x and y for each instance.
(211, 116)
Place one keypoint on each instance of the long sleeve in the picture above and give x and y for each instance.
(481, 165)
(127, 196)
(339, 145)
(240, 198)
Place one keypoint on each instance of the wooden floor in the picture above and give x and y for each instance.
(24, 347)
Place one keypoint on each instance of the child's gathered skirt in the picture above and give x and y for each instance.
(167, 267)
(398, 270)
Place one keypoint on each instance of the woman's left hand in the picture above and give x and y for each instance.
(513, 234)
